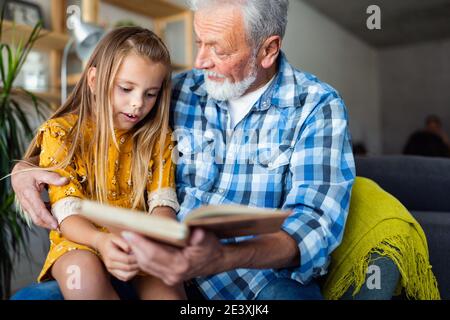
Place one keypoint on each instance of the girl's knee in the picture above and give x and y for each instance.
(81, 274)
(79, 263)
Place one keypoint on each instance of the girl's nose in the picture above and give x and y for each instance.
(137, 102)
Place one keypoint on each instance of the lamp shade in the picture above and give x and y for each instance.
(86, 36)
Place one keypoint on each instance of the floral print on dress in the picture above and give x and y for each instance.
(53, 141)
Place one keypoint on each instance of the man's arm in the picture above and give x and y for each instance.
(28, 186)
(321, 178)
(205, 255)
(275, 250)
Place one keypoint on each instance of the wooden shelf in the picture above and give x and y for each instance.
(72, 79)
(48, 40)
(52, 97)
(152, 8)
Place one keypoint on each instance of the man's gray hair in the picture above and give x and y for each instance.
(262, 18)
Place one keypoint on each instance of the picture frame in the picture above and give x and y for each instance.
(22, 12)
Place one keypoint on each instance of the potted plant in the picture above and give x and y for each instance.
(15, 132)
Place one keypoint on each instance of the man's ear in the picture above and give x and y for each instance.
(91, 73)
(270, 51)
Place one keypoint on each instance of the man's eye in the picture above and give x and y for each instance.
(219, 53)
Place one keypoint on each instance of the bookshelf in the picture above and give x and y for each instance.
(153, 8)
(13, 33)
(162, 13)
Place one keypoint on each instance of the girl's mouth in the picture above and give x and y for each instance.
(130, 117)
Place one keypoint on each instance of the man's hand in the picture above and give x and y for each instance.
(28, 187)
(117, 256)
(203, 256)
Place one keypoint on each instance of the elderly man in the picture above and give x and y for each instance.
(251, 130)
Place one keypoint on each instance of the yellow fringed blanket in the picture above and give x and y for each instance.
(379, 223)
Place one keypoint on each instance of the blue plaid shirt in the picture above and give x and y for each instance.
(291, 151)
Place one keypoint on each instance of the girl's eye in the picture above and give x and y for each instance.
(151, 95)
(125, 89)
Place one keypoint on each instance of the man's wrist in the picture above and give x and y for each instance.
(20, 166)
(234, 257)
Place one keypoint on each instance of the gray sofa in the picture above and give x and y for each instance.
(422, 184)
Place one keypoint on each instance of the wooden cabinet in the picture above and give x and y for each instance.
(172, 23)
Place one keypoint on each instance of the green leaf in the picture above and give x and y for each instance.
(34, 36)
(14, 232)
(22, 119)
(2, 67)
(11, 69)
(38, 103)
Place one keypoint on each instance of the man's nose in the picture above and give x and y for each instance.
(203, 59)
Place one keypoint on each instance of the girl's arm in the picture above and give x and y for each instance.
(80, 230)
(164, 212)
(77, 229)
(115, 252)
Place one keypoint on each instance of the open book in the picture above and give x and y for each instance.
(225, 221)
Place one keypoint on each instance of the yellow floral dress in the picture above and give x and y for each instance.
(65, 200)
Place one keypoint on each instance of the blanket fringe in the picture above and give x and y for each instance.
(417, 278)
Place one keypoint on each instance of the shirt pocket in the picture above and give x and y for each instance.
(196, 160)
(275, 159)
(269, 176)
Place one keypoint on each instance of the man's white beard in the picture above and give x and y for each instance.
(228, 90)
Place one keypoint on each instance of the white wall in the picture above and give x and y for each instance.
(315, 44)
(415, 81)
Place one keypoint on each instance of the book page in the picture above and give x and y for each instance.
(230, 210)
(236, 226)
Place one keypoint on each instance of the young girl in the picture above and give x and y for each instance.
(111, 140)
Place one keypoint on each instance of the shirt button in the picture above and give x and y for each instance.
(221, 191)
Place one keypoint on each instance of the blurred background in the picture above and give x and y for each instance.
(395, 79)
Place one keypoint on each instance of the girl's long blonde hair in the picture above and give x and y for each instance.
(97, 108)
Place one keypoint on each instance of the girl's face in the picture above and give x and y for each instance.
(135, 90)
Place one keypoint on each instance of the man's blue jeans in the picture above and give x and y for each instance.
(287, 289)
(278, 289)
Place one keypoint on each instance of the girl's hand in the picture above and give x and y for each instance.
(117, 256)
